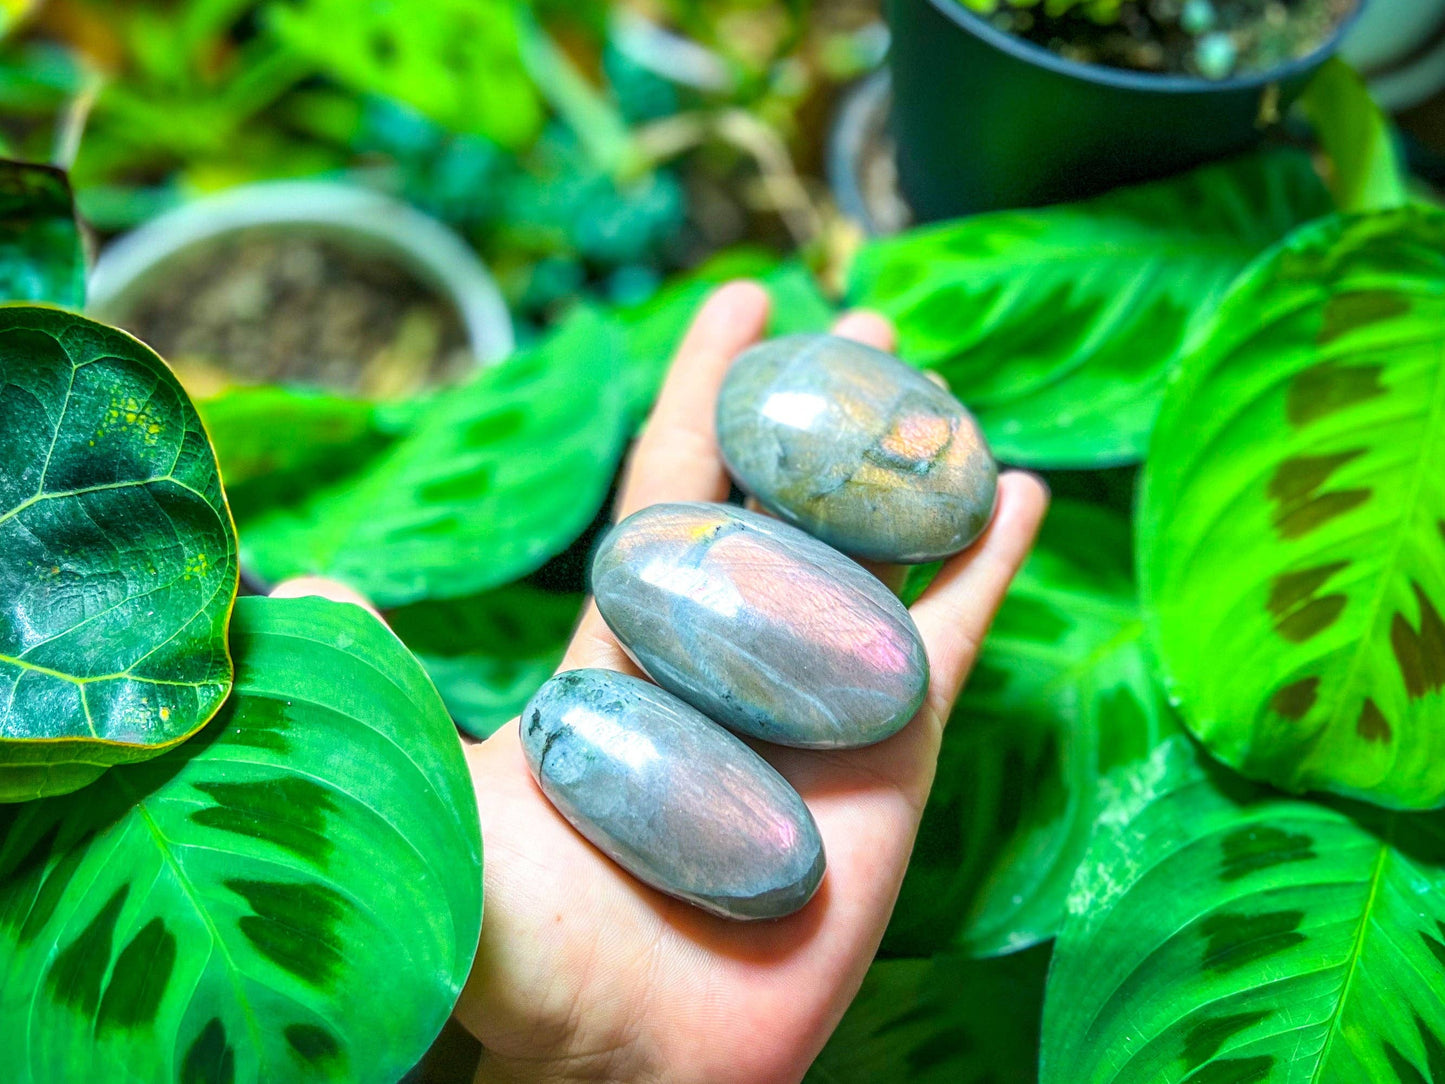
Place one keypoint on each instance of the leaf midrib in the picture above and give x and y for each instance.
(184, 881)
(1405, 521)
(1356, 951)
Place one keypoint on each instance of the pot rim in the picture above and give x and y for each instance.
(1123, 78)
(426, 247)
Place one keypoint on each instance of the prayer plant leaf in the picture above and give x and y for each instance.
(1063, 692)
(1292, 525)
(945, 1020)
(488, 654)
(292, 895)
(117, 555)
(489, 480)
(1219, 931)
(1057, 325)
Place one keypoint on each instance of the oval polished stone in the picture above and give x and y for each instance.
(857, 448)
(759, 626)
(670, 796)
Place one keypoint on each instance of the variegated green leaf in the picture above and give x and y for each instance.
(1293, 516)
(1063, 692)
(292, 895)
(489, 654)
(1057, 326)
(653, 330)
(41, 256)
(485, 483)
(117, 555)
(1221, 933)
(948, 1020)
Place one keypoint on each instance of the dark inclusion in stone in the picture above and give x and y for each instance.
(856, 448)
(760, 627)
(670, 796)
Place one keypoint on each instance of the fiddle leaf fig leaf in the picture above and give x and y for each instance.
(117, 555)
(489, 480)
(1062, 693)
(1292, 530)
(488, 654)
(293, 894)
(1219, 931)
(1057, 326)
(41, 257)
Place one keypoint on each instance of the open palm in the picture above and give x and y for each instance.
(585, 974)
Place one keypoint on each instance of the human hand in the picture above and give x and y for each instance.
(583, 973)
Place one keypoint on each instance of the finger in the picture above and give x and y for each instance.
(320, 587)
(869, 328)
(955, 612)
(676, 458)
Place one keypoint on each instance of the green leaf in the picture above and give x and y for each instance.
(1057, 326)
(1365, 172)
(117, 555)
(1063, 692)
(41, 257)
(948, 1020)
(653, 330)
(277, 444)
(488, 654)
(1292, 530)
(294, 894)
(455, 61)
(1219, 932)
(493, 477)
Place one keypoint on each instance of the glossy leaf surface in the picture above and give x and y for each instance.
(1293, 516)
(488, 654)
(1063, 692)
(1219, 931)
(491, 479)
(41, 256)
(117, 555)
(1056, 326)
(292, 895)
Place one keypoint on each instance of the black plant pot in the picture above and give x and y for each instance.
(986, 120)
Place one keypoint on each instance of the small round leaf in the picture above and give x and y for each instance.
(117, 555)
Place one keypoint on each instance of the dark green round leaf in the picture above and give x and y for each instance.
(117, 555)
(1292, 531)
(1056, 326)
(1063, 692)
(294, 894)
(1219, 933)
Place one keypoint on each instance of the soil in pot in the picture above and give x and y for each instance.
(1215, 39)
(262, 307)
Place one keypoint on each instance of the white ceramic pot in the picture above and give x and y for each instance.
(356, 217)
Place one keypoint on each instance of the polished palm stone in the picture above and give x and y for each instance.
(671, 797)
(856, 448)
(759, 626)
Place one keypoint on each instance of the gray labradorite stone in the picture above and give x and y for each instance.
(671, 797)
(856, 448)
(759, 626)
